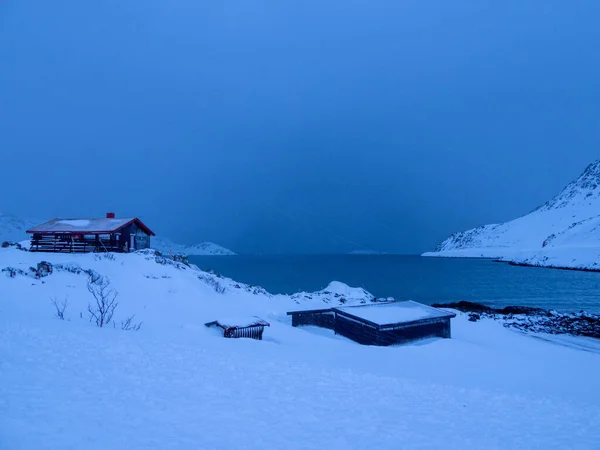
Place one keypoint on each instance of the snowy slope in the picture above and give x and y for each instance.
(176, 384)
(12, 228)
(564, 230)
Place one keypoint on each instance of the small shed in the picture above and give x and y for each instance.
(107, 234)
(252, 327)
(385, 323)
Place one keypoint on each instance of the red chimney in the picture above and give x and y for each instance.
(110, 215)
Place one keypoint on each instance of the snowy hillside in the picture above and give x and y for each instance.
(563, 232)
(12, 228)
(167, 247)
(177, 384)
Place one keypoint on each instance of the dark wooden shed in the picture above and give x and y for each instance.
(91, 235)
(386, 323)
(252, 327)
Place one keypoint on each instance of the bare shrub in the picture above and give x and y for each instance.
(105, 255)
(218, 287)
(128, 325)
(105, 298)
(60, 307)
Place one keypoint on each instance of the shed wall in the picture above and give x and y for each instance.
(325, 319)
(402, 334)
(357, 331)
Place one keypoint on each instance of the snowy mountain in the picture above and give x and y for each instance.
(175, 383)
(13, 229)
(563, 232)
(166, 246)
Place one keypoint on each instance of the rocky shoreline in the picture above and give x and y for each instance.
(541, 266)
(535, 320)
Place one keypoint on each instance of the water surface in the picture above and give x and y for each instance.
(427, 280)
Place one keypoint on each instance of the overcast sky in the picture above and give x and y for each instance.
(296, 126)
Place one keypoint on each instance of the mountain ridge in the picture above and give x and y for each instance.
(547, 236)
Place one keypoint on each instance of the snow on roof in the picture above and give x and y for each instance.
(394, 312)
(75, 222)
(236, 322)
(102, 225)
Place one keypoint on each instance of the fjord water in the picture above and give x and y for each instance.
(427, 280)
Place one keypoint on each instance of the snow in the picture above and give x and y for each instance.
(564, 232)
(244, 321)
(177, 384)
(392, 313)
(336, 287)
(82, 225)
(75, 223)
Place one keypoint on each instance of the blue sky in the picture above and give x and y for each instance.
(308, 126)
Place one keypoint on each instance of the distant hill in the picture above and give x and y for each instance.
(563, 232)
(13, 229)
(166, 246)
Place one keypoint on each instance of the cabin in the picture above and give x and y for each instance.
(108, 234)
(381, 324)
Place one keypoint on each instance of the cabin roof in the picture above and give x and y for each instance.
(391, 313)
(88, 226)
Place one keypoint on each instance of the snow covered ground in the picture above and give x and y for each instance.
(564, 232)
(177, 384)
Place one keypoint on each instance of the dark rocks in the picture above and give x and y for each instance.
(11, 272)
(465, 306)
(528, 310)
(44, 268)
(534, 320)
(7, 244)
(181, 259)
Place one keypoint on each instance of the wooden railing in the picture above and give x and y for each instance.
(58, 244)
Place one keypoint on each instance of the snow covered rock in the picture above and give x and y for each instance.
(535, 320)
(335, 293)
(563, 232)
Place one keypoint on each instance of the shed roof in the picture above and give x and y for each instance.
(239, 322)
(391, 313)
(91, 226)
